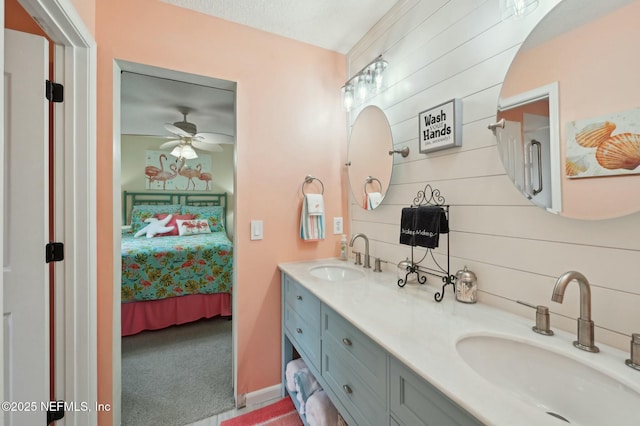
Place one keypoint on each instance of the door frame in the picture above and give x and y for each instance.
(119, 66)
(75, 61)
(549, 91)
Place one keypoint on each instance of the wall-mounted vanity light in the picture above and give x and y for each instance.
(515, 9)
(367, 81)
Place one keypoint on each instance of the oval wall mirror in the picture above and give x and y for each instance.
(370, 164)
(568, 112)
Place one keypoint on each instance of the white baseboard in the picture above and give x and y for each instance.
(263, 395)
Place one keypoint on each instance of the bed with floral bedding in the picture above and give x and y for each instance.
(177, 276)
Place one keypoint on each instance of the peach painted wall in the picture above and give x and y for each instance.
(16, 18)
(577, 60)
(87, 11)
(290, 124)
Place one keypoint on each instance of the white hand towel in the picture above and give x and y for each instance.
(374, 199)
(306, 385)
(292, 368)
(320, 410)
(312, 218)
(315, 204)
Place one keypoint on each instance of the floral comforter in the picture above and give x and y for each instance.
(162, 267)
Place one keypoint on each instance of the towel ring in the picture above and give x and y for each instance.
(370, 179)
(309, 179)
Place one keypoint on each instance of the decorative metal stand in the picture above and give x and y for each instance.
(432, 197)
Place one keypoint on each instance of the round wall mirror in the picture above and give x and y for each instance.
(370, 164)
(568, 129)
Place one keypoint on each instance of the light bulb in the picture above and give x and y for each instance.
(364, 85)
(378, 68)
(177, 151)
(188, 152)
(517, 8)
(347, 96)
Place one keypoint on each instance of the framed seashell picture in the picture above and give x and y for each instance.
(606, 145)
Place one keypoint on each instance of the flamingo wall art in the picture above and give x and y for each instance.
(165, 172)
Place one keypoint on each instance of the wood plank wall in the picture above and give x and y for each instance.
(443, 49)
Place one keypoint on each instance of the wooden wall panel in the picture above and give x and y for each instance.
(438, 50)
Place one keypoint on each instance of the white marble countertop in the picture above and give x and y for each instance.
(422, 334)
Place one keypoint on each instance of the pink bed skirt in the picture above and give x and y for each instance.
(157, 314)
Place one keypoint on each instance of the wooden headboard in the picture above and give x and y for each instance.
(130, 199)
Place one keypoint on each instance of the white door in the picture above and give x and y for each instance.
(26, 277)
(537, 158)
(511, 152)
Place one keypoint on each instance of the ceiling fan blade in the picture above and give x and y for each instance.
(177, 130)
(206, 146)
(217, 138)
(132, 135)
(170, 144)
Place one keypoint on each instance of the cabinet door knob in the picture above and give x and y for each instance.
(346, 341)
(299, 297)
(299, 330)
(347, 389)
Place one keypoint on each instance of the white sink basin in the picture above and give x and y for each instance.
(556, 384)
(336, 273)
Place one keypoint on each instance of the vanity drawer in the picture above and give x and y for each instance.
(304, 333)
(416, 402)
(365, 406)
(301, 300)
(363, 356)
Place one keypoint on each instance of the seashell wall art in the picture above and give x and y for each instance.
(604, 146)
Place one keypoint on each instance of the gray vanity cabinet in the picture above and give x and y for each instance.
(301, 320)
(415, 402)
(367, 385)
(354, 367)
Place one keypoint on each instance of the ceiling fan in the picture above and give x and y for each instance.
(189, 138)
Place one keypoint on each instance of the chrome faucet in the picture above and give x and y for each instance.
(634, 358)
(367, 259)
(585, 324)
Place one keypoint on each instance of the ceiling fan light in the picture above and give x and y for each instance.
(177, 151)
(188, 153)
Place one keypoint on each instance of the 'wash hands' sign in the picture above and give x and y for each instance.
(441, 126)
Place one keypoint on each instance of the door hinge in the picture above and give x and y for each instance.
(54, 91)
(55, 411)
(54, 252)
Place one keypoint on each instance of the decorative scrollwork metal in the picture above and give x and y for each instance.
(412, 269)
(430, 196)
(447, 280)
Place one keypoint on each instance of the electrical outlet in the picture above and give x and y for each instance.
(337, 225)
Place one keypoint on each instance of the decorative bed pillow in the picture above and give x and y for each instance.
(142, 212)
(173, 222)
(213, 214)
(154, 227)
(194, 226)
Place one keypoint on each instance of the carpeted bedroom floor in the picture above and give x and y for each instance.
(177, 375)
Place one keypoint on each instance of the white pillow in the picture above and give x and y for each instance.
(193, 226)
(155, 226)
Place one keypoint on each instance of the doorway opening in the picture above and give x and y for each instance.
(174, 168)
